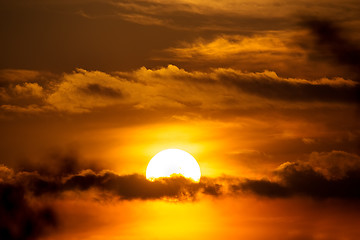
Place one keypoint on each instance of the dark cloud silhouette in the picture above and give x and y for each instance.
(331, 43)
(311, 178)
(21, 219)
(306, 181)
(134, 186)
(214, 190)
(302, 180)
(125, 187)
(18, 219)
(262, 188)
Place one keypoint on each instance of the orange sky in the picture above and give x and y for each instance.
(264, 94)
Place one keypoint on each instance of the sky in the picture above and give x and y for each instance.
(264, 94)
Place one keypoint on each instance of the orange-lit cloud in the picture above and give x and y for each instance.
(233, 47)
(172, 87)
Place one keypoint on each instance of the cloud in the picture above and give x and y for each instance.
(262, 188)
(83, 90)
(185, 18)
(123, 187)
(19, 109)
(333, 43)
(229, 15)
(325, 175)
(23, 214)
(234, 47)
(5, 174)
(173, 88)
(29, 89)
(57, 164)
(308, 140)
(334, 164)
(273, 51)
(19, 219)
(97, 89)
(306, 181)
(283, 51)
(24, 91)
(226, 15)
(146, 88)
(333, 174)
(269, 85)
(135, 186)
(18, 75)
(190, 15)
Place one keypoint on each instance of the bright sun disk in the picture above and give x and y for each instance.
(173, 161)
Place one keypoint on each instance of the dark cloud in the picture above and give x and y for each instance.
(97, 89)
(262, 188)
(302, 180)
(18, 219)
(214, 190)
(332, 43)
(135, 186)
(21, 220)
(280, 89)
(58, 163)
(334, 164)
(306, 181)
(313, 179)
(24, 217)
(125, 187)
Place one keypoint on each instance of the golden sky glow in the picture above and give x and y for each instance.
(263, 94)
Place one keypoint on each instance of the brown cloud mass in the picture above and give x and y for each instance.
(325, 175)
(25, 214)
(21, 219)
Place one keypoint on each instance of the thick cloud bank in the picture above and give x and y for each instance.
(19, 219)
(333, 174)
(23, 214)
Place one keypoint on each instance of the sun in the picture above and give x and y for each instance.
(173, 161)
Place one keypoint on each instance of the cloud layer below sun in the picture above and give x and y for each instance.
(324, 175)
(26, 196)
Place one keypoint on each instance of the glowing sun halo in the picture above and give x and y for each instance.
(173, 161)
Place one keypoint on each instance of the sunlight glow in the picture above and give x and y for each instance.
(173, 161)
